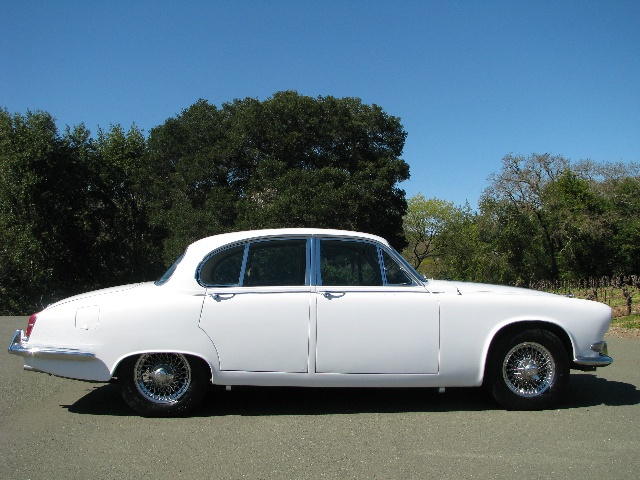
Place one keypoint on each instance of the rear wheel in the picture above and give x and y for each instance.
(528, 371)
(163, 384)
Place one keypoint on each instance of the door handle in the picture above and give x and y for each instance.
(218, 297)
(330, 295)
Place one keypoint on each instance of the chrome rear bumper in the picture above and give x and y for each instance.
(19, 346)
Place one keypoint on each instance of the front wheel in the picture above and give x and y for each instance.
(529, 371)
(163, 384)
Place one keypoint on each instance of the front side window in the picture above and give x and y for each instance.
(394, 275)
(347, 263)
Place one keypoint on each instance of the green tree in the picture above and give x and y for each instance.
(195, 172)
(425, 226)
(71, 219)
(288, 161)
(625, 215)
(546, 218)
(130, 249)
(44, 178)
(514, 203)
(582, 230)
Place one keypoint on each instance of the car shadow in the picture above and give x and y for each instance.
(585, 390)
(589, 390)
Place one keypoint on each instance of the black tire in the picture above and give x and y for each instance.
(528, 371)
(163, 384)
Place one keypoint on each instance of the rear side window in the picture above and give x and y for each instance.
(258, 264)
(223, 269)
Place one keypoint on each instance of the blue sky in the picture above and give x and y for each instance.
(471, 80)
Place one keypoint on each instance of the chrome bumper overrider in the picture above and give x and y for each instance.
(601, 361)
(19, 346)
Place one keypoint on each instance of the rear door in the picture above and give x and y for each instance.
(257, 307)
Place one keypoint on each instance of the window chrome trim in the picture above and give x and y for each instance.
(313, 275)
(383, 269)
(243, 267)
(245, 256)
(170, 271)
(216, 252)
(402, 263)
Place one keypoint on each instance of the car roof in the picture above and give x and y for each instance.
(206, 245)
(198, 250)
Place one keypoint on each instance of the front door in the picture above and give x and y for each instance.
(371, 317)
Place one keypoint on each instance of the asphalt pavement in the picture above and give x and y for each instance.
(58, 428)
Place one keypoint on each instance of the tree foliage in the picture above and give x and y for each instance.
(543, 218)
(288, 161)
(79, 213)
(426, 225)
(69, 219)
(556, 220)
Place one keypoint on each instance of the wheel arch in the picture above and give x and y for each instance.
(517, 327)
(192, 355)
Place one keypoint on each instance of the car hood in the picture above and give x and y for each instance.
(462, 288)
(95, 293)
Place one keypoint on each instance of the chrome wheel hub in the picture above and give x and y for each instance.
(163, 375)
(528, 369)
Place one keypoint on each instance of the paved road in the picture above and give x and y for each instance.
(57, 428)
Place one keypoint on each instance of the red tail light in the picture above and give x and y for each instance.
(31, 324)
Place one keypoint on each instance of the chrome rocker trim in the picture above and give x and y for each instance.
(18, 347)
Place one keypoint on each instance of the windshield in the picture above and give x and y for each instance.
(167, 275)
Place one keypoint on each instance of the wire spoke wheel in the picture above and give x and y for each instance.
(528, 369)
(163, 378)
(163, 384)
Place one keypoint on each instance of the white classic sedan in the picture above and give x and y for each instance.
(313, 308)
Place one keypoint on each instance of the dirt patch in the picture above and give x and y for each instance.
(621, 332)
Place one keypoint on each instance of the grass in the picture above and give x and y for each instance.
(629, 321)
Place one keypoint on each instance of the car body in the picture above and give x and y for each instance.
(314, 308)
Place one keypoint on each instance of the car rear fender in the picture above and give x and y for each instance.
(209, 356)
